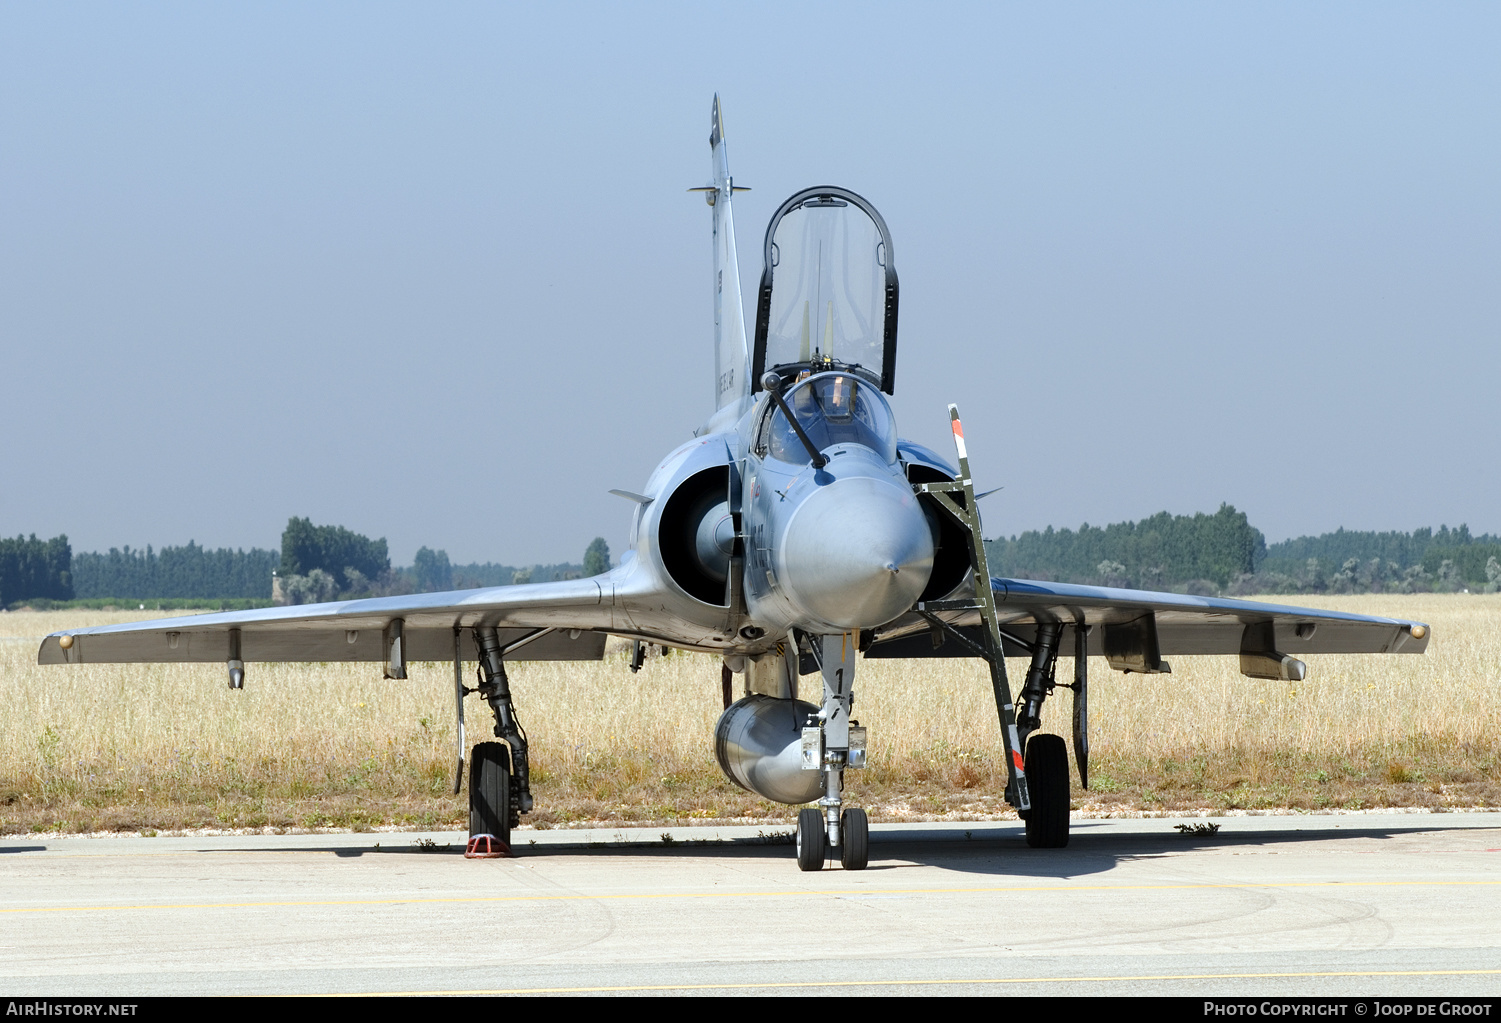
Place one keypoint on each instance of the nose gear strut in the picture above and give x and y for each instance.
(833, 743)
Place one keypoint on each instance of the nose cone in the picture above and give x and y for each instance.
(856, 553)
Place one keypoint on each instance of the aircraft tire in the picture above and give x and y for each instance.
(812, 840)
(854, 834)
(490, 791)
(1047, 782)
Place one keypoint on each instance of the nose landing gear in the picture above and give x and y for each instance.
(832, 743)
(813, 839)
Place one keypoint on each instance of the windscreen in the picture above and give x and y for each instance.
(833, 408)
(828, 296)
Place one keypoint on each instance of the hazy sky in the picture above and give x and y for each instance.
(431, 272)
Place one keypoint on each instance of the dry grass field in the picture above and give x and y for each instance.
(165, 747)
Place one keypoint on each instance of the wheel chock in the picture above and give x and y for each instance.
(486, 847)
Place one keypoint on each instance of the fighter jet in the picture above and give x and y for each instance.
(795, 534)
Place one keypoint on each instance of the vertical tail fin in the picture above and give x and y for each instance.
(732, 384)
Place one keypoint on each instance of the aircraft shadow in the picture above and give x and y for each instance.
(987, 849)
(1002, 850)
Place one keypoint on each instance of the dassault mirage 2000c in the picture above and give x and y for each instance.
(795, 534)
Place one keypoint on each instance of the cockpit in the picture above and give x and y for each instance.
(828, 296)
(832, 408)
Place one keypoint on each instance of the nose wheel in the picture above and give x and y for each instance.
(813, 840)
(854, 830)
(812, 843)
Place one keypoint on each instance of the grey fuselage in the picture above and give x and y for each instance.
(841, 548)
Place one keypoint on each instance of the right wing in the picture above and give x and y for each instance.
(353, 630)
(566, 620)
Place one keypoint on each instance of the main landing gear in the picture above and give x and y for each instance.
(1047, 767)
(1038, 782)
(490, 793)
(832, 743)
(1047, 758)
(499, 773)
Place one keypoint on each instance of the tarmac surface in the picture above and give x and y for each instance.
(1379, 904)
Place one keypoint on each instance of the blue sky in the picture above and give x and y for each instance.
(434, 275)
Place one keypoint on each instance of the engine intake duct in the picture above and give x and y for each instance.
(758, 743)
(950, 542)
(696, 534)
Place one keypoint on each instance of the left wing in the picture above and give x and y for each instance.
(1134, 628)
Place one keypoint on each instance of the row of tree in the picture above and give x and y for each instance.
(1443, 570)
(175, 572)
(315, 563)
(1223, 553)
(1219, 553)
(432, 572)
(1402, 549)
(1352, 561)
(31, 568)
(1158, 552)
(330, 563)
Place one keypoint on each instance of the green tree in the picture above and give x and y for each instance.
(314, 588)
(1161, 550)
(190, 571)
(334, 549)
(432, 570)
(35, 568)
(597, 557)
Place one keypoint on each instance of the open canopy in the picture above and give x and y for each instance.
(828, 290)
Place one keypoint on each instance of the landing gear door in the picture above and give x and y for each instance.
(828, 290)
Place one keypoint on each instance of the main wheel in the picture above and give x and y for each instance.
(490, 791)
(854, 838)
(812, 840)
(1047, 782)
